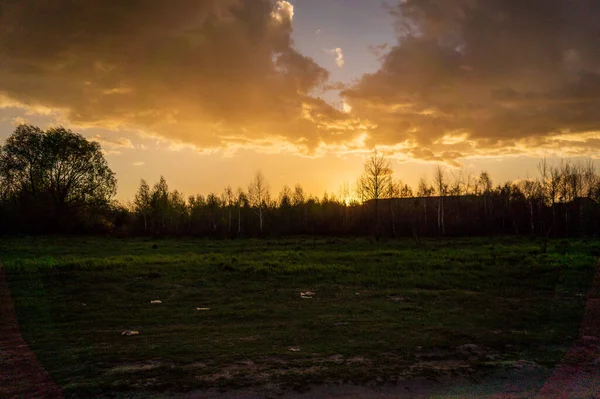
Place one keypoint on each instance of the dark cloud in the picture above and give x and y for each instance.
(466, 77)
(502, 74)
(190, 70)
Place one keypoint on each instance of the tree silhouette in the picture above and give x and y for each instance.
(258, 196)
(55, 173)
(143, 202)
(441, 186)
(374, 184)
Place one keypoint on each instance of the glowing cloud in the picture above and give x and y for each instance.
(19, 120)
(477, 77)
(339, 56)
(283, 11)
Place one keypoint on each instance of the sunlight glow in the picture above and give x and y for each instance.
(284, 11)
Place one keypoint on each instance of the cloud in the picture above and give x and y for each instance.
(138, 163)
(19, 120)
(466, 78)
(193, 72)
(112, 142)
(283, 12)
(339, 56)
(500, 77)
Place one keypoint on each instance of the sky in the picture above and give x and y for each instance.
(207, 92)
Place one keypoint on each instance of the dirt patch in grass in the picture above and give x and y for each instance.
(134, 367)
(21, 375)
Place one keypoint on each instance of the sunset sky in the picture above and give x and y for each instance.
(207, 92)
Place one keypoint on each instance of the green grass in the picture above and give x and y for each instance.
(74, 297)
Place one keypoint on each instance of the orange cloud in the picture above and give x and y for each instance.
(466, 78)
(476, 77)
(188, 71)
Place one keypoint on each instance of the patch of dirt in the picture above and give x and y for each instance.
(134, 367)
(21, 374)
(196, 365)
(249, 339)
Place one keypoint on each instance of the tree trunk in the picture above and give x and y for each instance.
(531, 224)
(229, 225)
(440, 215)
(305, 219)
(378, 218)
(393, 218)
(553, 216)
(425, 213)
(566, 219)
(580, 218)
(443, 219)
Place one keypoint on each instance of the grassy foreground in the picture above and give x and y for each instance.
(375, 307)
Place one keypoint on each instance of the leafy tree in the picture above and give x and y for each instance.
(55, 173)
(160, 205)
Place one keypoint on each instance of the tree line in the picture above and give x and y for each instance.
(56, 181)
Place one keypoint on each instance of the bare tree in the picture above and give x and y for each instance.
(160, 205)
(344, 193)
(240, 200)
(298, 196)
(456, 184)
(374, 184)
(285, 197)
(544, 179)
(258, 195)
(532, 190)
(376, 178)
(213, 204)
(468, 183)
(425, 191)
(484, 187)
(393, 192)
(441, 186)
(590, 178)
(299, 202)
(227, 199)
(143, 202)
(285, 206)
(553, 190)
(406, 191)
(457, 188)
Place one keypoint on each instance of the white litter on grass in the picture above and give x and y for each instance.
(128, 333)
(307, 295)
(294, 349)
(203, 309)
(155, 302)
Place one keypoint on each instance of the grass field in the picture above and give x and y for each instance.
(377, 308)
